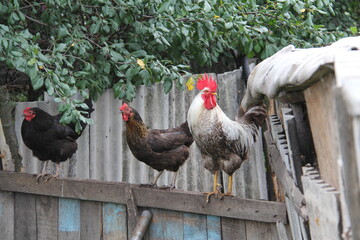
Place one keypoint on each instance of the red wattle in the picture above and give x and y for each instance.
(209, 101)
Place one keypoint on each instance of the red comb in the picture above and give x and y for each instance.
(206, 81)
(124, 107)
(26, 109)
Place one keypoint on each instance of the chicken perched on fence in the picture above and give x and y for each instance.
(160, 149)
(223, 143)
(48, 138)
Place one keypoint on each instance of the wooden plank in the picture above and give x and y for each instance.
(293, 144)
(25, 217)
(114, 221)
(261, 231)
(47, 209)
(194, 226)
(7, 215)
(132, 211)
(282, 232)
(213, 227)
(324, 215)
(320, 102)
(347, 109)
(284, 178)
(90, 220)
(69, 219)
(166, 224)
(195, 202)
(233, 228)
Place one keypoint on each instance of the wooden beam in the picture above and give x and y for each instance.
(115, 192)
(320, 102)
(284, 178)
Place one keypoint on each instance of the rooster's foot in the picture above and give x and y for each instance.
(226, 194)
(216, 193)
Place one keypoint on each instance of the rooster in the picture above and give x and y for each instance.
(223, 143)
(160, 149)
(49, 139)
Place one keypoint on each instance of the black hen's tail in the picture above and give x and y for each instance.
(85, 113)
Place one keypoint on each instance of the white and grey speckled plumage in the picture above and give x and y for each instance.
(224, 143)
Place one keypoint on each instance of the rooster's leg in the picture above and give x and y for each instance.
(215, 187)
(43, 172)
(57, 174)
(229, 192)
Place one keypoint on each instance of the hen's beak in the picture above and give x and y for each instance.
(214, 93)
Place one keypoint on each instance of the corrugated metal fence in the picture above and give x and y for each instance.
(103, 153)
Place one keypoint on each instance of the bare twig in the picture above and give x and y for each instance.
(34, 20)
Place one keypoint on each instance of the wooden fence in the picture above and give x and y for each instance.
(89, 209)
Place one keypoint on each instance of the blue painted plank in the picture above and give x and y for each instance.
(114, 221)
(194, 226)
(69, 219)
(166, 224)
(213, 227)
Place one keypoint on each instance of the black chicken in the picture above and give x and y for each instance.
(48, 138)
(160, 149)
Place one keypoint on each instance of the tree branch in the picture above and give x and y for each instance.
(6, 108)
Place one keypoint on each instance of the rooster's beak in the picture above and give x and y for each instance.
(214, 93)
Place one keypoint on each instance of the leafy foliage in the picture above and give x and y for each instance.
(68, 47)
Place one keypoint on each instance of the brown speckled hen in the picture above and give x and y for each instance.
(160, 149)
(223, 143)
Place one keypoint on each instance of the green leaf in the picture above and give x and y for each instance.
(353, 30)
(62, 32)
(16, 53)
(95, 27)
(131, 72)
(60, 47)
(139, 54)
(207, 7)
(116, 56)
(37, 82)
(167, 86)
(31, 62)
(229, 25)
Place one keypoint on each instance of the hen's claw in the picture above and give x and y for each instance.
(41, 176)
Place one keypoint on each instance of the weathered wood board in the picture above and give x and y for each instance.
(90, 220)
(324, 215)
(25, 217)
(47, 215)
(320, 102)
(234, 207)
(69, 219)
(6, 214)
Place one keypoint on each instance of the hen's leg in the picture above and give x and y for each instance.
(57, 174)
(173, 180)
(215, 187)
(43, 172)
(153, 183)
